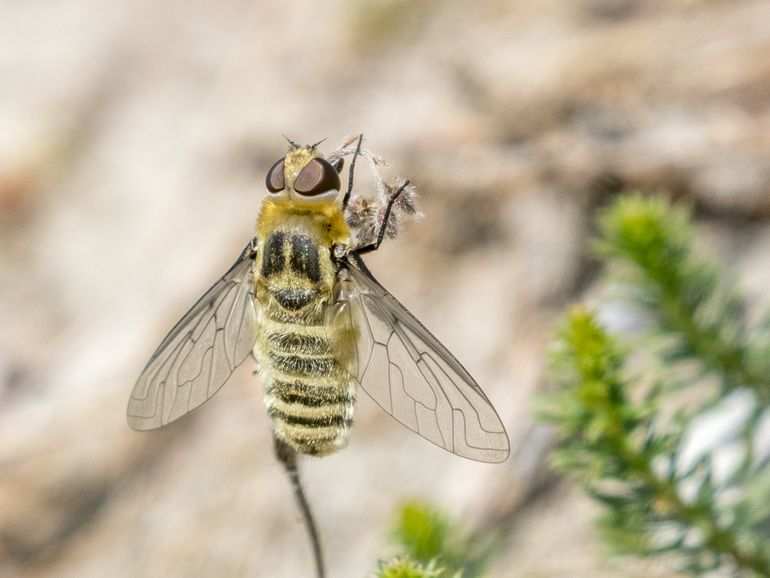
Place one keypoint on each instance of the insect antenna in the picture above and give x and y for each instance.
(291, 142)
(319, 142)
(288, 458)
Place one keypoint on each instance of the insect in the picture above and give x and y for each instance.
(301, 300)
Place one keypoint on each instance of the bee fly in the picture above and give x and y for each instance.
(301, 300)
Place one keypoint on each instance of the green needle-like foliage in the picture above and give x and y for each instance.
(652, 241)
(426, 536)
(660, 498)
(634, 441)
(422, 531)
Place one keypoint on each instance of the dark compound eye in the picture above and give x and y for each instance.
(275, 181)
(317, 177)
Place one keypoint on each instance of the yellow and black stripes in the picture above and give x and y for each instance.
(312, 413)
(308, 344)
(308, 394)
(302, 253)
(305, 365)
(304, 258)
(317, 420)
(301, 394)
(273, 260)
(295, 299)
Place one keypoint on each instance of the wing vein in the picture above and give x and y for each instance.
(454, 413)
(195, 354)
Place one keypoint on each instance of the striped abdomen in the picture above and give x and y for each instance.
(308, 393)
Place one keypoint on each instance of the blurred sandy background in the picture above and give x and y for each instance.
(134, 138)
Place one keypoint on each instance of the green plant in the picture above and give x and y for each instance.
(617, 433)
(436, 546)
(651, 242)
(403, 567)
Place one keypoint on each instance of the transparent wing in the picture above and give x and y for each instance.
(413, 376)
(200, 353)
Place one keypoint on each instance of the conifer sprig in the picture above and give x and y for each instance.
(651, 240)
(629, 462)
(660, 496)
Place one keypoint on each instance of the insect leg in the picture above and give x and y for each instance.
(288, 458)
(346, 198)
(384, 223)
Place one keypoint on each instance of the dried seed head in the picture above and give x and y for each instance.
(366, 215)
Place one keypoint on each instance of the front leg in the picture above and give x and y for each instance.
(383, 225)
(351, 172)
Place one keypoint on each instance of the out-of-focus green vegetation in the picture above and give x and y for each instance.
(627, 436)
(650, 242)
(403, 567)
(661, 496)
(429, 542)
